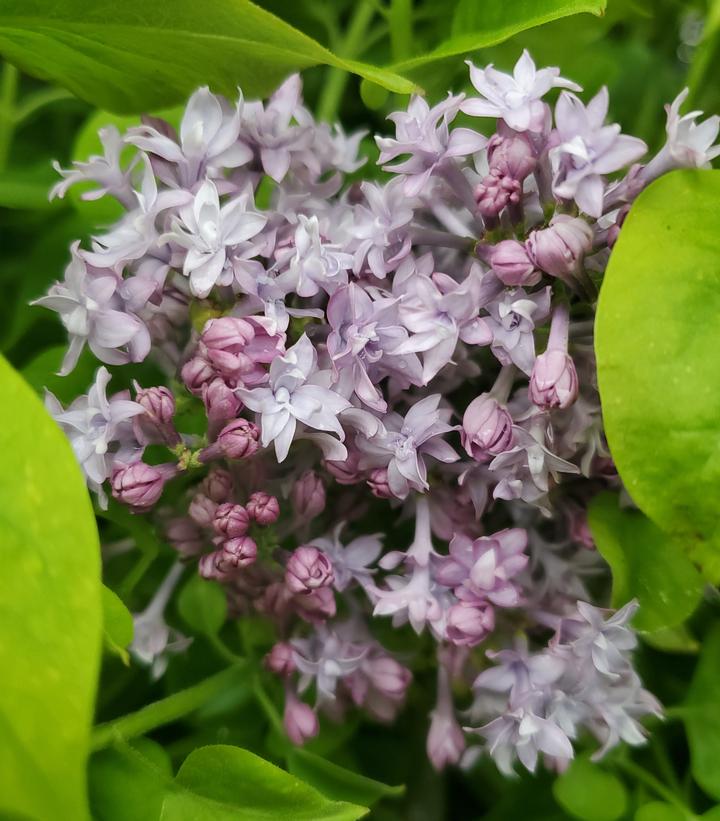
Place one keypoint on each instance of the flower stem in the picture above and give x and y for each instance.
(349, 47)
(8, 91)
(166, 710)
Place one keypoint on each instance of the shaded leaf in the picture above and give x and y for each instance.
(589, 793)
(117, 624)
(202, 605)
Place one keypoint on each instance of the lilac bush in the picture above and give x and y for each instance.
(414, 348)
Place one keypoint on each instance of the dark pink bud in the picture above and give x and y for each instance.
(496, 192)
(554, 381)
(560, 248)
(139, 485)
(237, 553)
(218, 485)
(512, 265)
(299, 719)
(156, 424)
(467, 625)
(263, 508)
(316, 606)
(511, 156)
(308, 569)
(231, 520)
(195, 373)
(202, 510)
(239, 439)
(185, 536)
(209, 567)
(223, 342)
(486, 429)
(221, 402)
(347, 472)
(378, 483)
(280, 659)
(387, 676)
(308, 496)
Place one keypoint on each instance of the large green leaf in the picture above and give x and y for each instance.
(478, 25)
(135, 55)
(589, 793)
(701, 713)
(221, 783)
(646, 564)
(658, 354)
(50, 612)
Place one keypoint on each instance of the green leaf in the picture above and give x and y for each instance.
(135, 56)
(658, 351)
(128, 782)
(336, 782)
(117, 624)
(646, 564)
(478, 25)
(41, 372)
(701, 714)
(220, 782)
(202, 605)
(50, 616)
(659, 811)
(27, 188)
(589, 793)
(676, 639)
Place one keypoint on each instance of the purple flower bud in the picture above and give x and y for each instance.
(209, 567)
(495, 192)
(308, 569)
(468, 625)
(139, 486)
(202, 510)
(347, 472)
(231, 520)
(560, 248)
(280, 659)
(263, 508)
(218, 485)
(299, 719)
(185, 536)
(486, 429)
(221, 401)
(156, 424)
(387, 676)
(316, 606)
(308, 496)
(239, 439)
(554, 381)
(378, 483)
(579, 528)
(237, 553)
(238, 348)
(512, 265)
(512, 156)
(195, 373)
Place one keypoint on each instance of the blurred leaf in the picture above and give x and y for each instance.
(50, 615)
(676, 639)
(134, 56)
(117, 624)
(701, 714)
(128, 782)
(659, 811)
(42, 372)
(336, 782)
(478, 25)
(220, 782)
(588, 792)
(658, 346)
(27, 188)
(202, 605)
(646, 564)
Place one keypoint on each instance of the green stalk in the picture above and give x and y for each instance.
(649, 780)
(166, 710)
(349, 47)
(401, 31)
(8, 92)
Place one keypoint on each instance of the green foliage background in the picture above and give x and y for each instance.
(206, 741)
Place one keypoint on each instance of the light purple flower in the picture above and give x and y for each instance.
(350, 562)
(324, 658)
(512, 319)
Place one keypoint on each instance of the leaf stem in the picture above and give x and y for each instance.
(642, 775)
(268, 707)
(400, 20)
(348, 48)
(166, 710)
(8, 91)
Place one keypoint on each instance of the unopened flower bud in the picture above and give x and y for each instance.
(512, 265)
(239, 439)
(185, 536)
(237, 553)
(263, 508)
(202, 510)
(347, 472)
(218, 485)
(231, 520)
(139, 486)
(560, 248)
(299, 719)
(308, 496)
(280, 659)
(308, 569)
(512, 156)
(223, 343)
(378, 483)
(317, 606)
(487, 428)
(387, 676)
(156, 424)
(209, 567)
(467, 625)
(195, 373)
(221, 401)
(554, 381)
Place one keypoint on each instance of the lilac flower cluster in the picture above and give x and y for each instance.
(418, 349)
